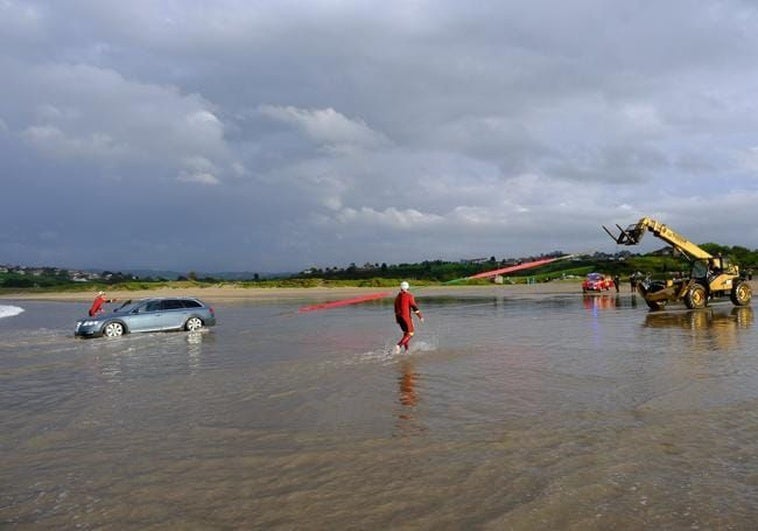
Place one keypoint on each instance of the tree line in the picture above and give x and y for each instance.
(431, 271)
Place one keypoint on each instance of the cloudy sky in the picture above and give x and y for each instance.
(237, 135)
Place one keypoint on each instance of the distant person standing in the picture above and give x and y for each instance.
(405, 305)
(97, 304)
(616, 281)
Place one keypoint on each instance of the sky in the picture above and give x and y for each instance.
(268, 136)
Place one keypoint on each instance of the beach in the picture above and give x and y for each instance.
(227, 292)
(522, 407)
(232, 292)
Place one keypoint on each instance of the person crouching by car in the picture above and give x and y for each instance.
(97, 304)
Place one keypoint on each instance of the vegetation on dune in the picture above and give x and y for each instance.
(434, 272)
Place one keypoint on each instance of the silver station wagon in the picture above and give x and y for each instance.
(148, 315)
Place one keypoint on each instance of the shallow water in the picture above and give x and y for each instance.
(511, 411)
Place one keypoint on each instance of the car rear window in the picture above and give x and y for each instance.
(191, 304)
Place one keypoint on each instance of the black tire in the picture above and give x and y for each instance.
(193, 324)
(656, 305)
(741, 293)
(113, 329)
(648, 291)
(696, 298)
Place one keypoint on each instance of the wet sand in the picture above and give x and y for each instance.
(517, 407)
(232, 292)
(235, 292)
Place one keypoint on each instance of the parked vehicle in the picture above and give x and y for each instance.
(597, 282)
(149, 315)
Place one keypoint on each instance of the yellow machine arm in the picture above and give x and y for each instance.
(710, 276)
(633, 234)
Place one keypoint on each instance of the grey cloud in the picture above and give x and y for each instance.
(327, 127)
(324, 133)
(95, 115)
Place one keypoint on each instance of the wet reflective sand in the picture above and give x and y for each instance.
(545, 411)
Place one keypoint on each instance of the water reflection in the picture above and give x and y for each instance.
(739, 317)
(408, 423)
(408, 395)
(194, 349)
(708, 329)
(648, 421)
(133, 356)
(606, 301)
(600, 301)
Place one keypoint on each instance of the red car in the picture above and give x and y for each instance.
(597, 282)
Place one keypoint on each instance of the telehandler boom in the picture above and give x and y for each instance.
(710, 276)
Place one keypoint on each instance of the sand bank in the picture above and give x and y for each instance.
(232, 292)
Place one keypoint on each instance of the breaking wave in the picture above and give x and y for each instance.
(9, 311)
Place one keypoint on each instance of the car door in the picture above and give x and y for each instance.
(174, 314)
(164, 315)
(145, 317)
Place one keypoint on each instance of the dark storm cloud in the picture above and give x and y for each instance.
(201, 135)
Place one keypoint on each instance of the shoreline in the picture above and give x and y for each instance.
(232, 293)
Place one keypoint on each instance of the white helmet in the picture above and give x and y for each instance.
(404, 286)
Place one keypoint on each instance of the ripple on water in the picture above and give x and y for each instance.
(522, 412)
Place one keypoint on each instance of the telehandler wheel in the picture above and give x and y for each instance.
(656, 305)
(695, 298)
(741, 294)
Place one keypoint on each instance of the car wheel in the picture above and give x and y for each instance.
(113, 329)
(695, 298)
(741, 294)
(193, 323)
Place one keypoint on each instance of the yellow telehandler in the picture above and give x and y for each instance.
(710, 277)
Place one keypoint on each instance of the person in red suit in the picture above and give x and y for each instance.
(97, 304)
(405, 305)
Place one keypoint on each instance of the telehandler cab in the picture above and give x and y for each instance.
(710, 276)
